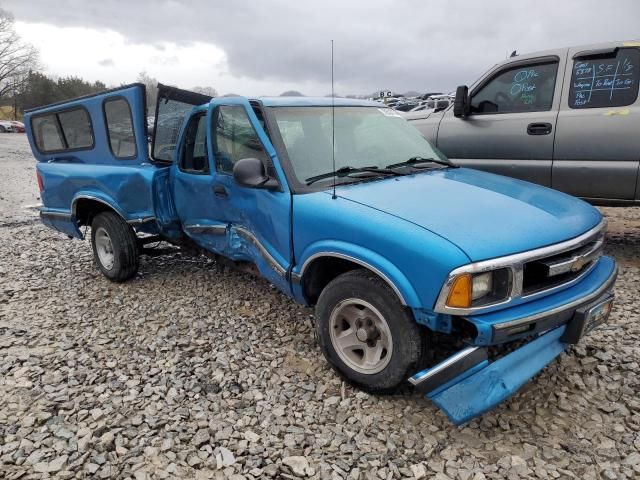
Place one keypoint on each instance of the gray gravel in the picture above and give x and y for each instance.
(194, 371)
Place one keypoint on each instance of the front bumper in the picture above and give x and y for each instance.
(486, 385)
(537, 316)
(466, 385)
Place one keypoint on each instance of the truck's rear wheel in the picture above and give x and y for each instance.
(115, 247)
(366, 334)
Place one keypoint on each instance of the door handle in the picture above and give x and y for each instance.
(539, 128)
(219, 191)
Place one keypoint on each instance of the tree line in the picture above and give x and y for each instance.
(23, 85)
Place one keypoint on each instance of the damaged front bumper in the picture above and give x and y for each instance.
(468, 384)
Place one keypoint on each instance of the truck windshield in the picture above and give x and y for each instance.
(364, 137)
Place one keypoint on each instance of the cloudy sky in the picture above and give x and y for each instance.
(268, 46)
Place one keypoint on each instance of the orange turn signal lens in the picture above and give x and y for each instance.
(460, 293)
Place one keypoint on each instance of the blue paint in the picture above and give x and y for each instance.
(411, 230)
(462, 206)
(472, 395)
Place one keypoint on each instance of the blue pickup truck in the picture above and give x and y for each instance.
(343, 205)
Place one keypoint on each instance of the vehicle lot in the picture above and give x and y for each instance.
(192, 370)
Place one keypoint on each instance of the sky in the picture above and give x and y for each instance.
(252, 47)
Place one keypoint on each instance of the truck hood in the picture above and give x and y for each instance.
(485, 215)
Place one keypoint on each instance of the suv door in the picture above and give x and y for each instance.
(597, 146)
(511, 125)
(258, 219)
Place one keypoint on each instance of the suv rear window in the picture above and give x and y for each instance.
(606, 81)
(63, 131)
(119, 121)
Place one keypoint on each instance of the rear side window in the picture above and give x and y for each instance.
(526, 88)
(119, 121)
(606, 81)
(62, 131)
(76, 128)
(194, 153)
(47, 133)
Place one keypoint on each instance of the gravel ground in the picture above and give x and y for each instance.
(194, 371)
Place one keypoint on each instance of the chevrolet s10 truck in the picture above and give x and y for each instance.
(565, 118)
(392, 245)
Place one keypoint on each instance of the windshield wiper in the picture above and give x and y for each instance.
(415, 161)
(348, 170)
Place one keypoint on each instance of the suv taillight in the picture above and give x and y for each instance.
(40, 182)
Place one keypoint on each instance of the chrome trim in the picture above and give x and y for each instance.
(515, 263)
(441, 366)
(211, 229)
(273, 263)
(91, 197)
(140, 221)
(567, 306)
(566, 265)
(354, 260)
(135, 221)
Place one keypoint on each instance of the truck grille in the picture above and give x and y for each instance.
(553, 271)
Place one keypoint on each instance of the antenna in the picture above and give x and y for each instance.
(333, 127)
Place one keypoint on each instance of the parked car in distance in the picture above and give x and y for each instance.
(435, 103)
(17, 126)
(391, 243)
(566, 118)
(6, 126)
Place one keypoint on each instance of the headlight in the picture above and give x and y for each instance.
(469, 290)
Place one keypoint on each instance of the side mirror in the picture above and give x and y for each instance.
(461, 103)
(250, 172)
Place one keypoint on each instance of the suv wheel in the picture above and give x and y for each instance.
(366, 334)
(115, 247)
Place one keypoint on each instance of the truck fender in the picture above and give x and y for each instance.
(369, 259)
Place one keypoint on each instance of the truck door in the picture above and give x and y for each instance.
(186, 189)
(257, 219)
(597, 146)
(512, 121)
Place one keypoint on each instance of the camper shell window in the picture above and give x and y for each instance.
(63, 131)
(119, 123)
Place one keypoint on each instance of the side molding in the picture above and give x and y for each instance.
(251, 238)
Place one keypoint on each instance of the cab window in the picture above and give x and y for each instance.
(609, 80)
(194, 152)
(234, 138)
(527, 88)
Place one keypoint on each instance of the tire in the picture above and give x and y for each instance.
(2, 129)
(115, 247)
(395, 351)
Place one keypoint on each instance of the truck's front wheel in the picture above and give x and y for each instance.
(366, 334)
(115, 247)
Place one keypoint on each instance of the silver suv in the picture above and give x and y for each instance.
(567, 119)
